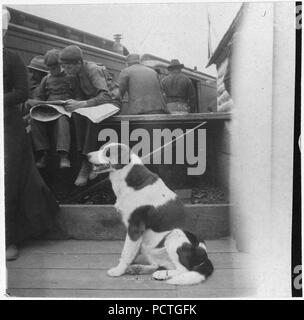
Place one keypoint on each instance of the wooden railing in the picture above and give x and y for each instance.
(171, 118)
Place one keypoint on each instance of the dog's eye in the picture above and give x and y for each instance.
(108, 153)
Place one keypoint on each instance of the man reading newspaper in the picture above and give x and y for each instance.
(93, 92)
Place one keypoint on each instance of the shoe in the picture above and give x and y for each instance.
(64, 161)
(83, 175)
(41, 163)
(12, 253)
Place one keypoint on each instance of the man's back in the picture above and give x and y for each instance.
(143, 87)
(177, 87)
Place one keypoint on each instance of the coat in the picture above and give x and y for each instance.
(178, 88)
(93, 85)
(94, 89)
(143, 88)
(59, 87)
(30, 208)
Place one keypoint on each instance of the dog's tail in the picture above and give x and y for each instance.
(198, 274)
(187, 278)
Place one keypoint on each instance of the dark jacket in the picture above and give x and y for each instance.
(143, 88)
(15, 81)
(93, 84)
(30, 208)
(178, 87)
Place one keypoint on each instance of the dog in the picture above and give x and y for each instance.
(153, 216)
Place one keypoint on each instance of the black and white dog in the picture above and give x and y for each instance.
(153, 216)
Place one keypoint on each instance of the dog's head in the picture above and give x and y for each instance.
(111, 157)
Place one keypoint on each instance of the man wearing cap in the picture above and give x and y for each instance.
(143, 88)
(179, 90)
(57, 85)
(93, 91)
(37, 70)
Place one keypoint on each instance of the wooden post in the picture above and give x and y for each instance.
(262, 143)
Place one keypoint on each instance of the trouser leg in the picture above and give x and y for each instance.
(13, 181)
(79, 127)
(86, 134)
(39, 133)
(91, 136)
(12, 206)
(61, 133)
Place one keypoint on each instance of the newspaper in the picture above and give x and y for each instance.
(52, 110)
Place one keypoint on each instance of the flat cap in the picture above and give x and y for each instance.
(70, 54)
(51, 57)
(133, 58)
(37, 63)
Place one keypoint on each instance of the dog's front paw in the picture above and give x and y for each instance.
(116, 271)
(160, 275)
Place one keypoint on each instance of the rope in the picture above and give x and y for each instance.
(175, 139)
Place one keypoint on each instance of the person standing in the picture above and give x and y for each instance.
(57, 85)
(93, 91)
(30, 208)
(178, 89)
(143, 88)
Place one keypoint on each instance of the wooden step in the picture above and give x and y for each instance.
(102, 222)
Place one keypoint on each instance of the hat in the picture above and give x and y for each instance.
(37, 63)
(175, 64)
(51, 57)
(70, 54)
(44, 113)
(133, 58)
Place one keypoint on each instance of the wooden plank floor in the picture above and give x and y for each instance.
(77, 268)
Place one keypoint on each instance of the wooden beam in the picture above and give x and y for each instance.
(171, 118)
(102, 222)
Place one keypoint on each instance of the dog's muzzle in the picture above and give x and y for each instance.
(99, 168)
(98, 164)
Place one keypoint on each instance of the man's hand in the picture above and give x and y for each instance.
(71, 105)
